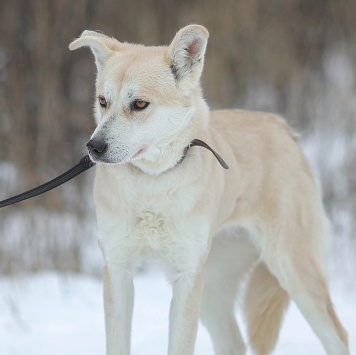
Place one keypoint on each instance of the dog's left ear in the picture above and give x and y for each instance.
(186, 53)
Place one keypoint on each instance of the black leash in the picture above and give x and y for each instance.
(84, 164)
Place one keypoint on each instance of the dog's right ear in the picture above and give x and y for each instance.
(101, 45)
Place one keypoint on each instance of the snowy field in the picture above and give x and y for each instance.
(62, 314)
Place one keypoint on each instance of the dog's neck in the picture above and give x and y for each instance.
(198, 143)
(164, 158)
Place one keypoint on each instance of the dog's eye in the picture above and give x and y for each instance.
(102, 101)
(139, 105)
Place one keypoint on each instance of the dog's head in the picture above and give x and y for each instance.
(145, 98)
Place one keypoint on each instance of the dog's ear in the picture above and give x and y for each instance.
(186, 52)
(101, 45)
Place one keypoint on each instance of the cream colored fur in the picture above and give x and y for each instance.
(188, 214)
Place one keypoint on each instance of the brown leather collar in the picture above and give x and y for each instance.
(200, 143)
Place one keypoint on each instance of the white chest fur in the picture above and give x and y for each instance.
(143, 217)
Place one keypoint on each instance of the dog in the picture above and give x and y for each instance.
(159, 195)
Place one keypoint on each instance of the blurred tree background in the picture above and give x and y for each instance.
(294, 57)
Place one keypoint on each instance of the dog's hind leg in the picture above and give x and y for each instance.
(295, 260)
(118, 306)
(231, 256)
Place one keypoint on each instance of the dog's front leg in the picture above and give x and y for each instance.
(188, 258)
(118, 305)
(184, 314)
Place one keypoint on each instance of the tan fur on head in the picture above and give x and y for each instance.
(166, 77)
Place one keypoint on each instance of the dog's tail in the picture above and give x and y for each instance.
(264, 305)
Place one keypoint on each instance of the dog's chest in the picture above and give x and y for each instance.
(148, 220)
(153, 231)
(145, 233)
(156, 216)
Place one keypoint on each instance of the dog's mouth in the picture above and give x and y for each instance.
(140, 153)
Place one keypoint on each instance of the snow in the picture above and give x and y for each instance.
(54, 313)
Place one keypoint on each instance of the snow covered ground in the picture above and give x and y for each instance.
(57, 314)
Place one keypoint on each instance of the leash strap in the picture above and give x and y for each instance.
(84, 164)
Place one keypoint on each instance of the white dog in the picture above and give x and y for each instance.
(159, 196)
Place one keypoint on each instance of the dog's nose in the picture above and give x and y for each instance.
(97, 147)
